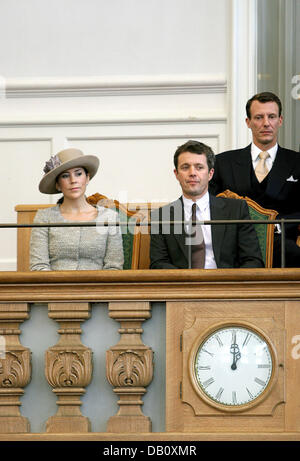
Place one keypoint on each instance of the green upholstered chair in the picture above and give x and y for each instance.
(265, 233)
(130, 233)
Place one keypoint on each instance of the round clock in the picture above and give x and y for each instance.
(233, 366)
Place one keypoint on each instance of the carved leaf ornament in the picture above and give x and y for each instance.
(15, 369)
(69, 369)
(130, 369)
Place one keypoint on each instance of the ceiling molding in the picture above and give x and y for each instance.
(42, 87)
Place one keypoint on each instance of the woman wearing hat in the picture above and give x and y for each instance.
(74, 248)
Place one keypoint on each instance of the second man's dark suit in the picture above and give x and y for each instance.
(279, 191)
(234, 245)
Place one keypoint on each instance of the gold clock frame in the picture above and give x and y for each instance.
(203, 336)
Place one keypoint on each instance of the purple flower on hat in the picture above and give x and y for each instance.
(52, 163)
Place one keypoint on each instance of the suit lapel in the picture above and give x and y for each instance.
(279, 173)
(217, 211)
(281, 170)
(180, 236)
(242, 165)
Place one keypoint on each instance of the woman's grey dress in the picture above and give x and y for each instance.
(75, 248)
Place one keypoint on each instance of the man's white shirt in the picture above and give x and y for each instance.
(255, 151)
(202, 214)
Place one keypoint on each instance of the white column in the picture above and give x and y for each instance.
(243, 72)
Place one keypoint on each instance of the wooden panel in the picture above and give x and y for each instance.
(174, 327)
(185, 322)
(292, 365)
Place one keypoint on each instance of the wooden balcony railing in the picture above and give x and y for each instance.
(130, 366)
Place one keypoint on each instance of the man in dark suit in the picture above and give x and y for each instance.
(179, 245)
(274, 181)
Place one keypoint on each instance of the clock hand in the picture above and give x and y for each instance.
(235, 351)
(236, 357)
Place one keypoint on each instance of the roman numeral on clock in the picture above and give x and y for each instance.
(208, 382)
(219, 393)
(260, 382)
(210, 353)
(249, 393)
(247, 339)
(219, 340)
(234, 401)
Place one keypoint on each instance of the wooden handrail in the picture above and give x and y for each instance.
(152, 285)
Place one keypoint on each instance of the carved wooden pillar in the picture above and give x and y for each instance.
(68, 367)
(129, 367)
(15, 368)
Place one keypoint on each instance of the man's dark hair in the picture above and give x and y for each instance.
(266, 96)
(196, 147)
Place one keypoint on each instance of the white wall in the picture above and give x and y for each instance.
(127, 80)
(99, 37)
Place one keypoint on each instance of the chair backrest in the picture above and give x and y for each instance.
(131, 235)
(265, 233)
(135, 243)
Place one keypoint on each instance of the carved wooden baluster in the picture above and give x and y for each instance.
(15, 368)
(129, 367)
(68, 367)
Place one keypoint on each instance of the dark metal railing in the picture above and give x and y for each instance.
(132, 223)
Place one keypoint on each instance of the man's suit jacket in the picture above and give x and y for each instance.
(233, 170)
(234, 245)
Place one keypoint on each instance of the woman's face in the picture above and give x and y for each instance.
(72, 183)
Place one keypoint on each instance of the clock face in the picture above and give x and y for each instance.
(233, 366)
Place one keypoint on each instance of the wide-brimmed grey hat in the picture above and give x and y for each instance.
(64, 160)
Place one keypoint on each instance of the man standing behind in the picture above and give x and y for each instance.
(264, 171)
(179, 245)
